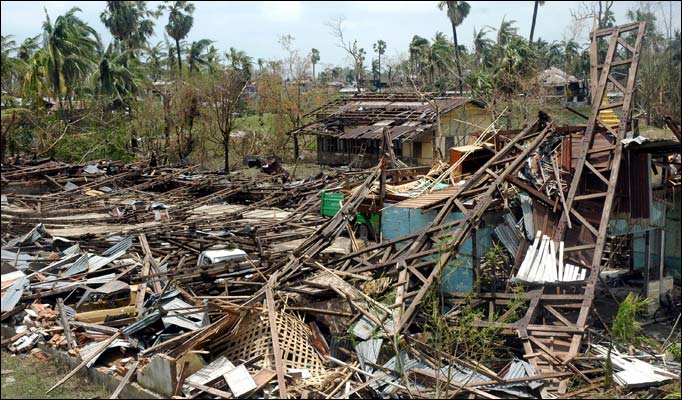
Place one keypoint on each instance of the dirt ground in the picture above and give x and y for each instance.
(29, 378)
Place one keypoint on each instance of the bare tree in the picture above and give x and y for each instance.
(224, 93)
(358, 53)
(601, 10)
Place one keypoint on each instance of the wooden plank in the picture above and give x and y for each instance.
(557, 315)
(65, 324)
(610, 106)
(584, 221)
(184, 372)
(274, 333)
(627, 46)
(596, 172)
(615, 81)
(590, 196)
(210, 390)
(156, 284)
(125, 380)
(557, 174)
(92, 355)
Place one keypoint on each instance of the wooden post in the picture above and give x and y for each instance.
(661, 262)
(65, 323)
(647, 262)
(274, 332)
(475, 263)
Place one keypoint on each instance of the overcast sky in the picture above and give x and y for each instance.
(256, 26)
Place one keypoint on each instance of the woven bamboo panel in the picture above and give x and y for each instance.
(252, 338)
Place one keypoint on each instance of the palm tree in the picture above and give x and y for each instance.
(240, 61)
(71, 50)
(440, 56)
(213, 59)
(506, 32)
(154, 60)
(314, 58)
(482, 46)
(7, 64)
(195, 56)
(556, 54)
(418, 48)
(113, 77)
(129, 22)
(180, 22)
(379, 48)
(457, 11)
(535, 15)
(28, 48)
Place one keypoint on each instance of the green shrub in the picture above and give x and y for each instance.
(625, 326)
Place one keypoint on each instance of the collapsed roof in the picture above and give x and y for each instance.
(363, 116)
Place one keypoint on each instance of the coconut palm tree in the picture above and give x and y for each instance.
(154, 60)
(213, 59)
(506, 31)
(556, 54)
(457, 11)
(28, 47)
(180, 22)
(418, 48)
(113, 77)
(196, 56)
(535, 15)
(129, 22)
(71, 49)
(314, 58)
(482, 46)
(440, 57)
(13, 68)
(240, 61)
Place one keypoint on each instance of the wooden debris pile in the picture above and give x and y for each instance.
(195, 284)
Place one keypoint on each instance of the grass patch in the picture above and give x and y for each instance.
(31, 378)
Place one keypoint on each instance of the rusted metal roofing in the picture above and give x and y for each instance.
(363, 115)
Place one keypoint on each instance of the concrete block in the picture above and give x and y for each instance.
(159, 375)
(654, 292)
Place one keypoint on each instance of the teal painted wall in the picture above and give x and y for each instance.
(670, 220)
(458, 275)
(673, 244)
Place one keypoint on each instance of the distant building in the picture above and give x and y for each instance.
(350, 129)
(559, 84)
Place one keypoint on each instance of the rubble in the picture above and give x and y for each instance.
(198, 284)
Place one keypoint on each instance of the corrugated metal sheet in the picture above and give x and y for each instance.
(80, 265)
(34, 234)
(142, 323)
(13, 294)
(509, 234)
(121, 246)
(527, 208)
(368, 350)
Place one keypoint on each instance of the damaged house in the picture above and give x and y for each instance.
(349, 129)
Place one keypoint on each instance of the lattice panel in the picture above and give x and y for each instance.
(252, 338)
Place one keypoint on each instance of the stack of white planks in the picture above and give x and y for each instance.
(544, 264)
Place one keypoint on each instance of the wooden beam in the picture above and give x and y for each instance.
(274, 333)
(125, 380)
